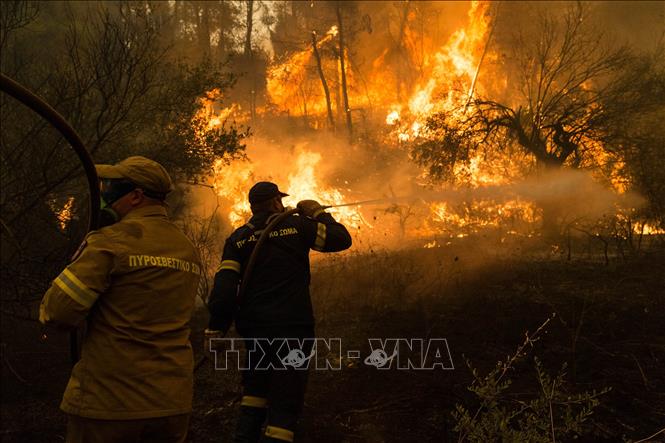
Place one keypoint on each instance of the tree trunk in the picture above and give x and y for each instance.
(177, 15)
(324, 83)
(480, 63)
(550, 205)
(250, 58)
(203, 29)
(304, 106)
(224, 23)
(402, 24)
(338, 94)
(345, 95)
(248, 32)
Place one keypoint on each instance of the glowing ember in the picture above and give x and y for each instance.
(64, 214)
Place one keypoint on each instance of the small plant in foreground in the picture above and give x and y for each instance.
(551, 414)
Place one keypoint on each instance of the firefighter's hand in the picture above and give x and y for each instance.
(211, 344)
(310, 208)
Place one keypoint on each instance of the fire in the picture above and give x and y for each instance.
(448, 79)
(215, 119)
(472, 216)
(649, 229)
(232, 182)
(65, 213)
(303, 185)
(305, 99)
(392, 118)
(449, 76)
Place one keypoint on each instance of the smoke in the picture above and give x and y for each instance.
(574, 191)
(405, 210)
(405, 207)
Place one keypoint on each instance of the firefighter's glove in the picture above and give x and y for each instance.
(213, 343)
(310, 208)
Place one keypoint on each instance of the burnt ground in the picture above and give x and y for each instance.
(609, 328)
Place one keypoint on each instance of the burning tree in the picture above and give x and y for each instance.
(571, 91)
(638, 138)
(564, 104)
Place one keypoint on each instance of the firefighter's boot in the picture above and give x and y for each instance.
(250, 423)
(275, 434)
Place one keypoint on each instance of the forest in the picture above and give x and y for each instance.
(500, 166)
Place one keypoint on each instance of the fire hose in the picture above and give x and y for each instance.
(266, 232)
(259, 243)
(251, 262)
(43, 109)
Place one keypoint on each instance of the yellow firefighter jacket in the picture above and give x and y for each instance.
(135, 281)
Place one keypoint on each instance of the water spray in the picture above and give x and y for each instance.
(375, 201)
(364, 202)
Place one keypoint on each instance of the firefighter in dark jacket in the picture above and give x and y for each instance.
(275, 304)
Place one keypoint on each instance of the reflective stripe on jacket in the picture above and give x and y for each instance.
(135, 281)
(277, 293)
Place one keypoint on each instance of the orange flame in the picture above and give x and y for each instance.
(449, 77)
(65, 213)
(232, 181)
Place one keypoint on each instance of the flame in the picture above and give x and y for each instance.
(447, 79)
(303, 185)
(479, 214)
(65, 214)
(649, 229)
(232, 182)
(449, 73)
(306, 98)
(392, 118)
(216, 119)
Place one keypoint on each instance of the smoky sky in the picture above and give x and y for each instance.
(640, 24)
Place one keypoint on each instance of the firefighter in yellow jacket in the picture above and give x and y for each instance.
(135, 282)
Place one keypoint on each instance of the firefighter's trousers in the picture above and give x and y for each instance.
(171, 429)
(273, 385)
